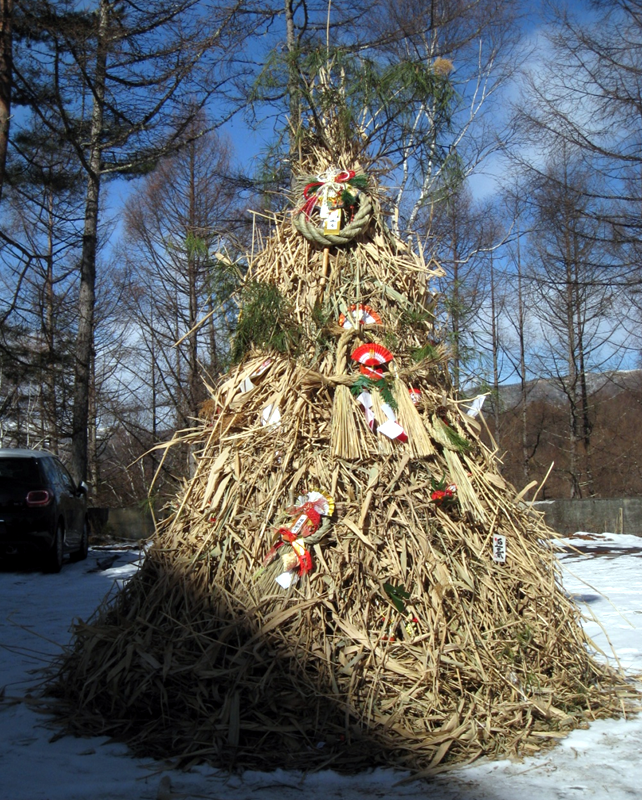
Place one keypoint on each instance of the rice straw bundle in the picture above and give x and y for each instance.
(465, 493)
(419, 442)
(345, 433)
(405, 643)
(447, 436)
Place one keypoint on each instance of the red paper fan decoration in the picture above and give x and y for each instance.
(373, 374)
(372, 354)
(360, 314)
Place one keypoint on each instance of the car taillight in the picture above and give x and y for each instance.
(41, 497)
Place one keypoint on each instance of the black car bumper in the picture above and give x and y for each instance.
(23, 533)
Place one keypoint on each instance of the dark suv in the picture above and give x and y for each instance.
(42, 510)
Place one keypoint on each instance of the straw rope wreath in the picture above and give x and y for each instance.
(303, 223)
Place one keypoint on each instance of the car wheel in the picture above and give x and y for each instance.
(53, 562)
(81, 553)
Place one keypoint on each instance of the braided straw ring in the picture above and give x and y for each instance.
(316, 235)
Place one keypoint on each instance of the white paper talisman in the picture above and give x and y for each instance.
(332, 223)
(499, 549)
(476, 406)
(324, 209)
(390, 429)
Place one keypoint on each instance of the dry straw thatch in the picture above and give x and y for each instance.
(406, 644)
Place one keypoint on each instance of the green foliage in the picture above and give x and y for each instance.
(265, 321)
(398, 596)
(415, 317)
(359, 182)
(273, 174)
(525, 637)
(427, 351)
(349, 198)
(348, 88)
(366, 384)
(321, 315)
(391, 341)
(196, 246)
(438, 485)
(451, 178)
(386, 392)
(458, 442)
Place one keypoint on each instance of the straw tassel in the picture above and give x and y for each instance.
(345, 432)
(447, 436)
(410, 420)
(466, 495)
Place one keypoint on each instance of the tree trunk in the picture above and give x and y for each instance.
(586, 425)
(293, 80)
(87, 293)
(6, 81)
(92, 429)
(455, 316)
(50, 408)
(495, 349)
(522, 365)
(213, 337)
(192, 278)
(571, 388)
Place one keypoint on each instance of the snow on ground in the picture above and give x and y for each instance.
(36, 611)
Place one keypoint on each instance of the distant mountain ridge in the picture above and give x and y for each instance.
(549, 390)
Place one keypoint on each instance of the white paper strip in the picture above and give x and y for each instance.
(476, 406)
(389, 412)
(262, 368)
(286, 579)
(246, 386)
(365, 398)
(270, 415)
(390, 429)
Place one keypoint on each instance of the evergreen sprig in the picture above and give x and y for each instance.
(398, 596)
(366, 384)
(458, 442)
(265, 321)
(427, 351)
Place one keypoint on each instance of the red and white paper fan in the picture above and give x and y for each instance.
(372, 354)
(323, 502)
(359, 315)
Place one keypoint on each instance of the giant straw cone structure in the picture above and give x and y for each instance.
(322, 593)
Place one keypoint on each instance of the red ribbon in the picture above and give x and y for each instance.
(305, 559)
(309, 527)
(311, 199)
(439, 495)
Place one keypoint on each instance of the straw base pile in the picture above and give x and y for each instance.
(200, 659)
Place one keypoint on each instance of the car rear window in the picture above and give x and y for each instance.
(24, 470)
